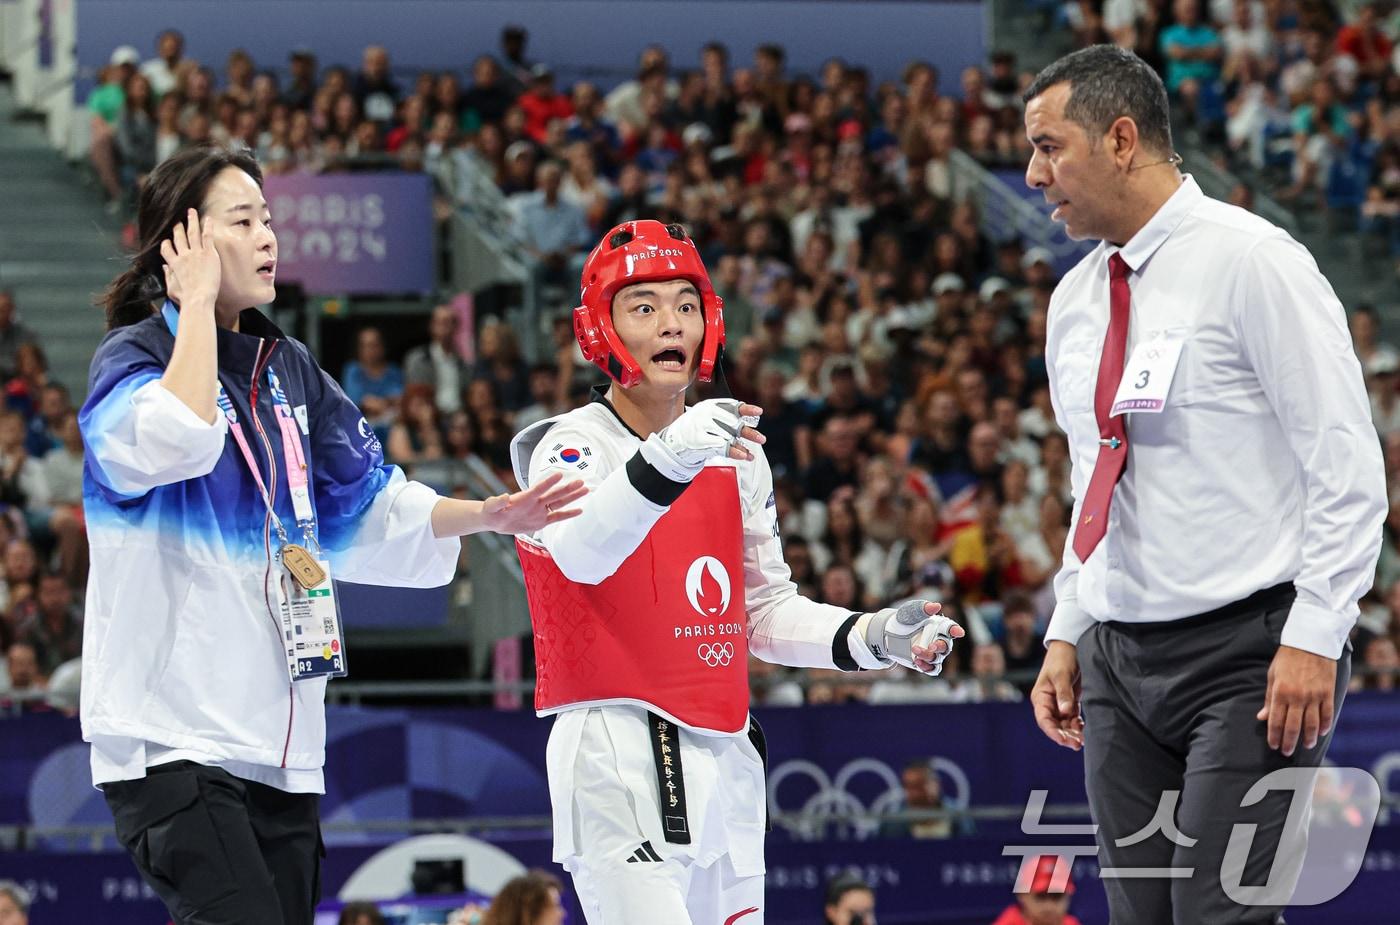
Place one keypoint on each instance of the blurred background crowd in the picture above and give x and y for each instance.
(897, 351)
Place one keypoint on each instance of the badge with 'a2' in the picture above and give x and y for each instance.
(577, 455)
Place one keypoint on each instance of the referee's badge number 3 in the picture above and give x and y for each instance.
(1147, 378)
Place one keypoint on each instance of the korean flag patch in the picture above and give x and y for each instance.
(576, 455)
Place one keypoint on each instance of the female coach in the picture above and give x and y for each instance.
(228, 481)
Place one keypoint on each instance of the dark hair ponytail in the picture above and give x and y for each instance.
(179, 184)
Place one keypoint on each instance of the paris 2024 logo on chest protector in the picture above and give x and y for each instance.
(708, 589)
(707, 586)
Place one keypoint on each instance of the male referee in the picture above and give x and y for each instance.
(1228, 500)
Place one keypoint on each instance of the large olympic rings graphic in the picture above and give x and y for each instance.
(836, 807)
(715, 655)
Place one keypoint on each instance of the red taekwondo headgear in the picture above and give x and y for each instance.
(639, 252)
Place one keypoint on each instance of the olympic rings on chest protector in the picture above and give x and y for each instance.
(717, 655)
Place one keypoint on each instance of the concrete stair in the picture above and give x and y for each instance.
(58, 247)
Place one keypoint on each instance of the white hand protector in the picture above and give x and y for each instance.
(705, 430)
(892, 634)
(747, 420)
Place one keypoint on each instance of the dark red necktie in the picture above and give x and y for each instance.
(1113, 434)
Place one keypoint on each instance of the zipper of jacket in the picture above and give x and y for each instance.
(258, 367)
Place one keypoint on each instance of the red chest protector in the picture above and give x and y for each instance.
(668, 629)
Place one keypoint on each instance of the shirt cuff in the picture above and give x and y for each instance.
(1315, 629)
(183, 415)
(1067, 623)
(395, 546)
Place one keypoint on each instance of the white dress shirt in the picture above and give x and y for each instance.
(1262, 468)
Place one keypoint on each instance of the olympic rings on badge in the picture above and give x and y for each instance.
(717, 655)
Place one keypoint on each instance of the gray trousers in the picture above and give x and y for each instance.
(1171, 707)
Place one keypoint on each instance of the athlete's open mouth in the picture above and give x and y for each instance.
(670, 358)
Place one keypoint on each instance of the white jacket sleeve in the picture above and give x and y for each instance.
(394, 543)
(139, 436)
(784, 627)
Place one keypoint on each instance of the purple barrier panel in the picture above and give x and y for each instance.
(964, 881)
(421, 763)
(360, 233)
(377, 607)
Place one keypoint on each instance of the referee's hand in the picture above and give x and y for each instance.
(1298, 699)
(1055, 696)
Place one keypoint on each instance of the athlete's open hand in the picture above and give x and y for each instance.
(545, 502)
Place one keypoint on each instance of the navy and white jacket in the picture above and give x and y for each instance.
(182, 654)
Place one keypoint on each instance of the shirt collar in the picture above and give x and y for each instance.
(1160, 226)
(599, 394)
(171, 314)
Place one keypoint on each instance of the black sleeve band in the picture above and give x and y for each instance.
(841, 647)
(651, 484)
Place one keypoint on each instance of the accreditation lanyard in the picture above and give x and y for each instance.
(297, 474)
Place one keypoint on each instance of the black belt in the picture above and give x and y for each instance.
(1279, 596)
(670, 780)
(760, 745)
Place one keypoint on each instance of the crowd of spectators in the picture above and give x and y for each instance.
(897, 350)
(43, 543)
(303, 119)
(1302, 94)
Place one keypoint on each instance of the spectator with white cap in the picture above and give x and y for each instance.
(992, 287)
(1038, 266)
(106, 103)
(519, 174)
(947, 289)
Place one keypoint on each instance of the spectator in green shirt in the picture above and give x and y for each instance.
(1193, 51)
(106, 103)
